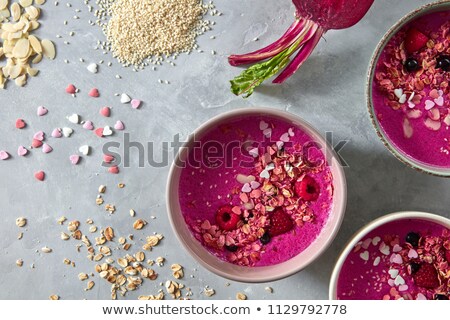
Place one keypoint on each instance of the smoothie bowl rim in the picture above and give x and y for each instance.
(263, 273)
(442, 5)
(369, 227)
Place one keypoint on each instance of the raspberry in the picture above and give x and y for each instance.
(280, 222)
(415, 40)
(226, 219)
(426, 277)
(308, 189)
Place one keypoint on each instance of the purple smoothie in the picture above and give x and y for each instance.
(207, 185)
(384, 266)
(416, 124)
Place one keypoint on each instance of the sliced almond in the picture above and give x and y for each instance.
(3, 4)
(39, 2)
(65, 236)
(15, 11)
(21, 222)
(35, 43)
(48, 49)
(83, 276)
(46, 250)
(25, 3)
(432, 125)
(109, 233)
(21, 81)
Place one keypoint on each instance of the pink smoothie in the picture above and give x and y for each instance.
(412, 107)
(206, 187)
(383, 265)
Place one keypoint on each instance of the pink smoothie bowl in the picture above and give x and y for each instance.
(391, 223)
(256, 274)
(415, 150)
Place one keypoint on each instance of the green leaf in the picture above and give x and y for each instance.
(249, 79)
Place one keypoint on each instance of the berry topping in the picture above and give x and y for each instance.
(226, 219)
(280, 222)
(426, 277)
(415, 40)
(265, 239)
(443, 62)
(413, 238)
(440, 297)
(411, 65)
(231, 248)
(447, 256)
(308, 189)
(414, 267)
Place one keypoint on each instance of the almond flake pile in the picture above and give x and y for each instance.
(141, 29)
(21, 48)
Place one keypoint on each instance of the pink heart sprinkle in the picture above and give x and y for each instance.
(136, 103)
(94, 93)
(41, 111)
(39, 136)
(71, 89)
(246, 188)
(4, 155)
(429, 105)
(46, 148)
(88, 125)
(285, 137)
(412, 254)
(105, 111)
(113, 170)
(119, 125)
(434, 94)
(74, 159)
(56, 133)
(439, 101)
(396, 248)
(396, 258)
(403, 287)
(254, 184)
(22, 151)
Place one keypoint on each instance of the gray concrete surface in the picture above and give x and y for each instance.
(328, 92)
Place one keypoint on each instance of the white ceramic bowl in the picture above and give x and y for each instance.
(266, 273)
(359, 235)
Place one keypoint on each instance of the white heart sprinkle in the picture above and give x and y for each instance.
(402, 98)
(420, 296)
(439, 101)
(67, 132)
(246, 188)
(403, 287)
(398, 93)
(364, 255)
(254, 184)
(263, 125)
(376, 240)
(399, 280)
(429, 105)
(412, 254)
(74, 118)
(285, 137)
(280, 144)
(92, 67)
(384, 249)
(254, 152)
(264, 174)
(85, 149)
(391, 282)
(393, 273)
(124, 98)
(270, 166)
(411, 105)
(107, 131)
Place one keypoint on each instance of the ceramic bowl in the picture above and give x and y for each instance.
(419, 165)
(363, 232)
(263, 273)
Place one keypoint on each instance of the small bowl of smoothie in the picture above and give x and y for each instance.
(408, 89)
(256, 195)
(400, 256)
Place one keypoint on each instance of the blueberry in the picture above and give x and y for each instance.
(265, 239)
(440, 297)
(413, 238)
(411, 65)
(443, 62)
(231, 248)
(414, 267)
